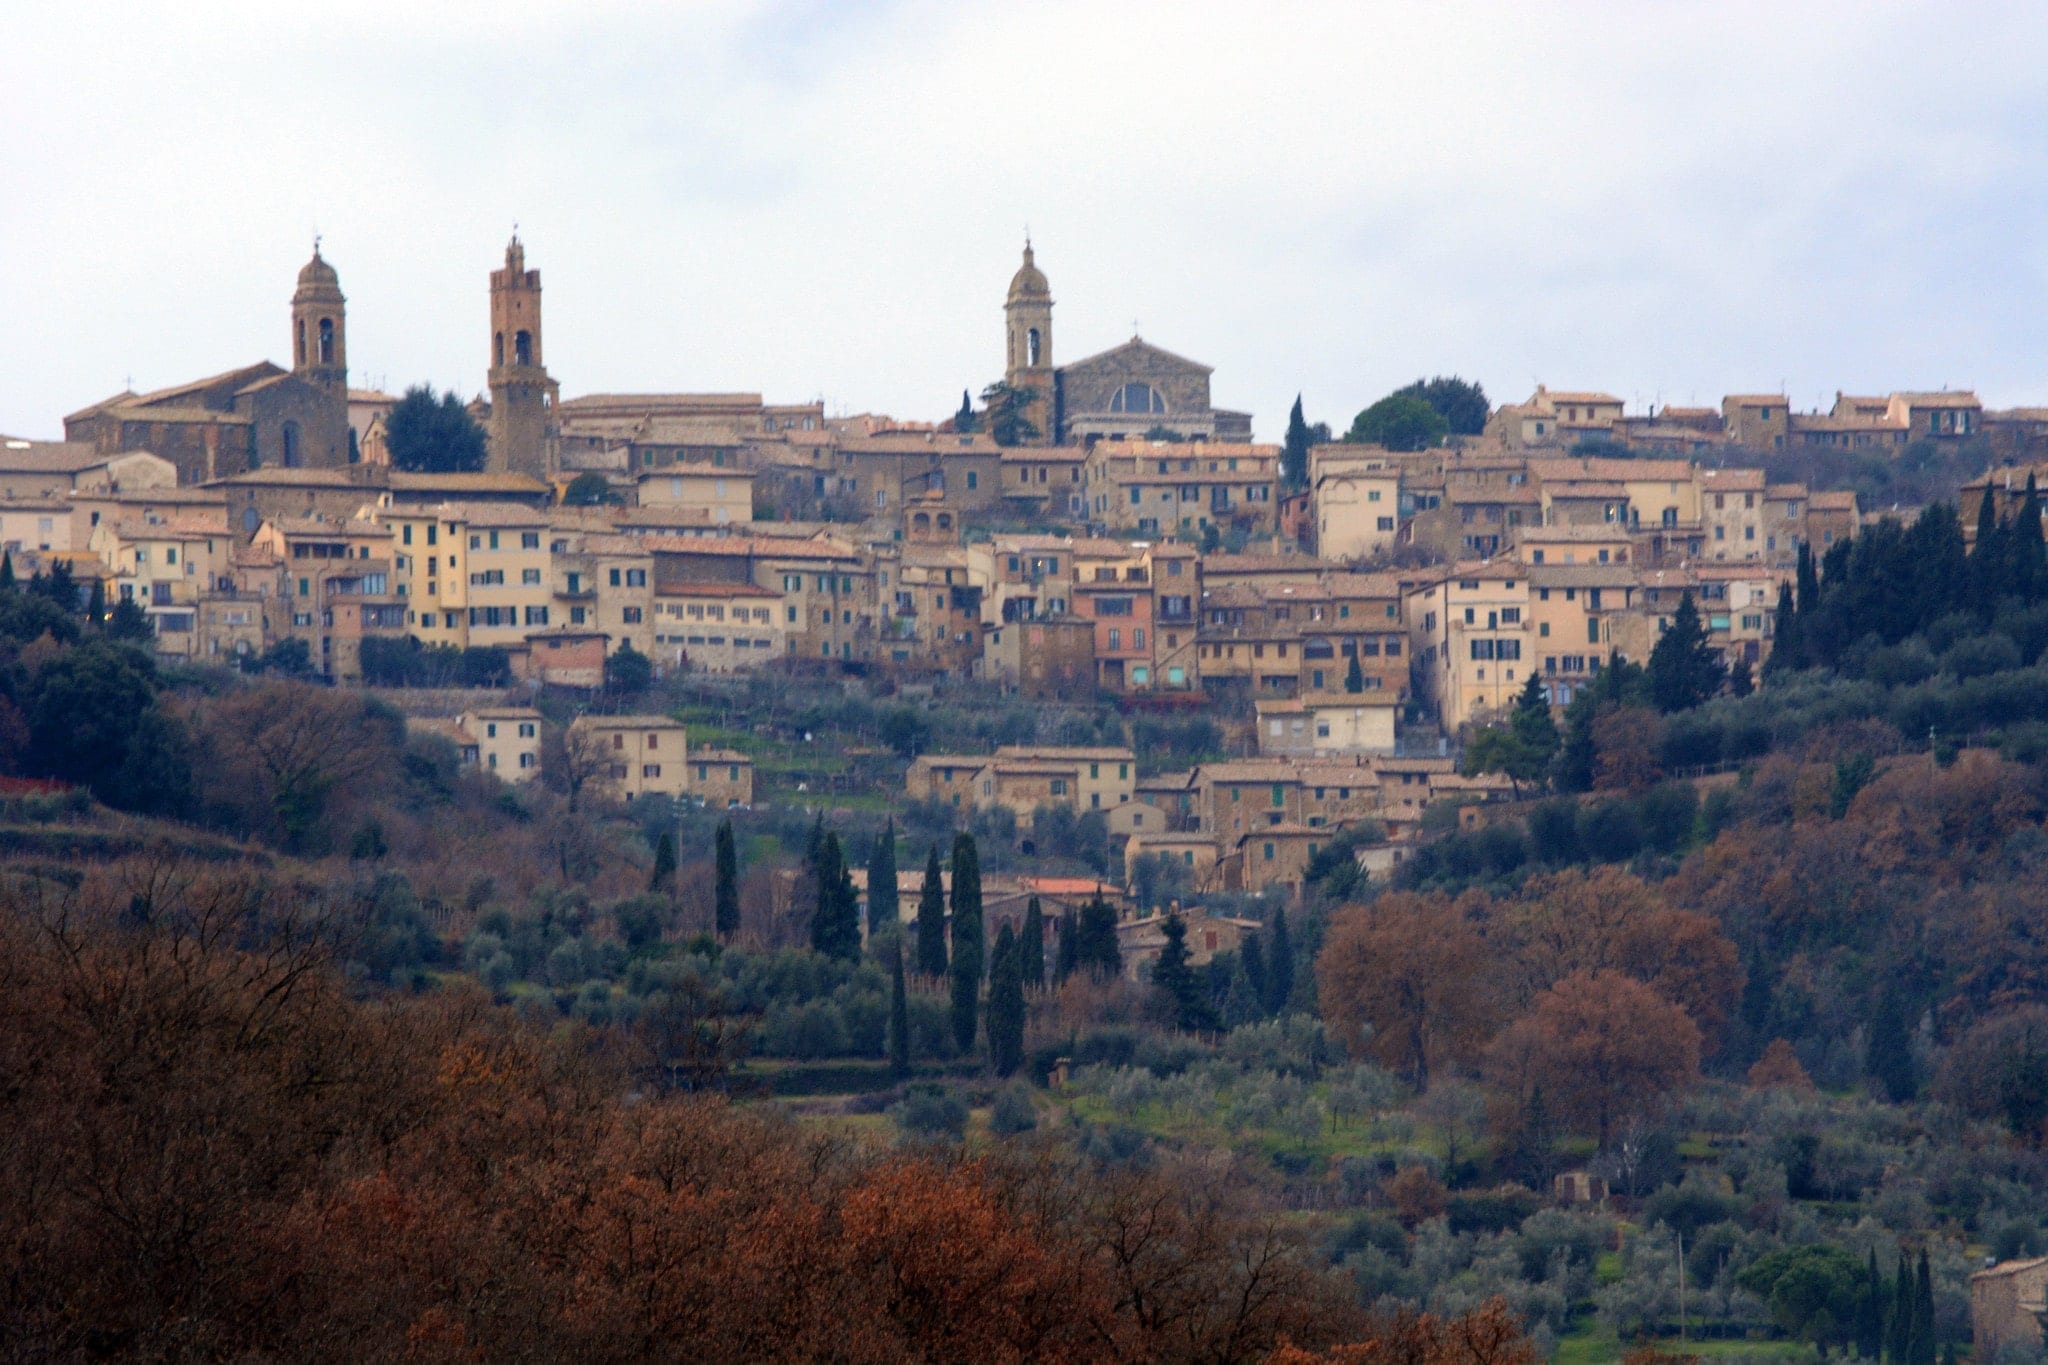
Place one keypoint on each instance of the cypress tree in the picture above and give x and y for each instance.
(1807, 577)
(1923, 1314)
(1031, 946)
(2029, 555)
(899, 1014)
(1294, 448)
(1784, 634)
(1354, 676)
(1005, 1005)
(1171, 974)
(1097, 949)
(1279, 966)
(726, 902)
(662, 880)
(96, 602)
(883, 906)
(1251, 959)
(1888, 1053)
(1069, 948)
(968, 944)
(1870, 1312)
(1899, 1339)
(931, 920)
(1987, 556)
(7, 571)
(835, 916)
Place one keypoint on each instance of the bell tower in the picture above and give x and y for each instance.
(1027, 363)
(524, 431)
(320, 328)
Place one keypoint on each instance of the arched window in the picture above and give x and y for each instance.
(1031, 347)
(327, 341)
(291, 445)
(250, 521)
(1137, 398)
(299, 331)
(522, 348)
(498, 349)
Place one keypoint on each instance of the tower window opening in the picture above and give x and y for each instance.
(1031, 348)
(299, 329)
(498, 349)
(522, 348)
(291, 445)
(327, 341)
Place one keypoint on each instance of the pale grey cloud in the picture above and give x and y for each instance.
(826, 200)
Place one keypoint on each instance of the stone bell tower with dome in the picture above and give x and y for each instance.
(1027, 364)
(524, 429)
(320, 328)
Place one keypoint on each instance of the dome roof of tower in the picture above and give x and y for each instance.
(318, 277)
(1029, 282)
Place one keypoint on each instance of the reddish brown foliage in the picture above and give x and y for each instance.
(1406, 979)
(207, 1149)
(1488, 1335)
(1779, 1069)
(1600, 1045)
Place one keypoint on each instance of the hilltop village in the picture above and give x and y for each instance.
(1346, 610)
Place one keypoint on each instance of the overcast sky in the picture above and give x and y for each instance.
(826, 201)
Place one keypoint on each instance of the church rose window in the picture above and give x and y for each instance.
(1137, 398)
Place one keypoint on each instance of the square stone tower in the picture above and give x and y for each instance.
(524, 430)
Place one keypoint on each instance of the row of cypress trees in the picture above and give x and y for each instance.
(1893, 581)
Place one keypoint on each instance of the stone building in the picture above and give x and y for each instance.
(1118, 394)
(254, 417)
(2008, 1303)
(524, 429)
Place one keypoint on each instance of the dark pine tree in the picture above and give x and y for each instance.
(1251, 959)
(1069, 959)
(662, 880)
(1684, 670)
(835, 918)
(1172, 975)
(1031, 947)
(1870, 1312)
(1784, 634)
(1899, 1331)
(1888, 1053)
(1354, 676)
(931, 921)
(7, 572)
(2029, 555)
(883, 905)
(1922, 1351)
(969, 947)
(1098, 950)
(965, 420)
(1534, 728)
(1572, 771)
(726, 891)
(1005, 1005)
(1294, 448)
(1988, 558)
(899, 1014)
(1279, 966)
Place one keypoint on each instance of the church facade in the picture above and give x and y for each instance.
(1123, 393)
(258, 416)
